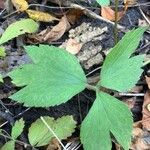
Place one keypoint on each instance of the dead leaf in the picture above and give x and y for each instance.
(72, 46)
(20, 5)
(73, 15)
(137, 137)
(130, 2)
(40, 16)
(146, 112)
(56, 32)
(141, 142)
(108, 13)
(148, 81)
(130, 102)
(54, 145)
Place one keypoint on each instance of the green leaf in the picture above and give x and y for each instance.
(18, 28)
(104, 2)
(39, 134)
(2, 52)
(54, 77)
(10, 145)
(119, 71)
(1, 78)
(107, 115)
(17, 129)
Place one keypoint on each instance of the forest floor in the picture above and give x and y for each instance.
(93, 35)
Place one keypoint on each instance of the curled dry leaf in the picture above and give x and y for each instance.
(73, 15)
(73, 46)
(146, 112)
(54, 145)
(20, 5)
(40, 16)
(56, 32)
(139, 137)
(108, 13)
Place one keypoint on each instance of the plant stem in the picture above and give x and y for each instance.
(116, 22)
(91, 87)
(146, 63)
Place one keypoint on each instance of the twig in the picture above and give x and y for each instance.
(131, 94)
(17, 141)
(7, 116)
(144, 16)
(98, 68)
(43, 120)
(95, 16)
(116, 22)
(15, 117)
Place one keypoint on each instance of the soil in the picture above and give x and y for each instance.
(94, 50)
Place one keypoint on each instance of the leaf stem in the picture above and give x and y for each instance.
(146, 63)
(91, 87)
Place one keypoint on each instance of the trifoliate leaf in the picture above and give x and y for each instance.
(104, 2)
(18, 28)
(17, 129)
(40, 16)
(10, 145)
(39, 134)
(107, 115)
(2, 52)
(20, 5)
(1, 78)
(54, 77)
(119, 71)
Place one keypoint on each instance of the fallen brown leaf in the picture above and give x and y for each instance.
(139, 137)
(142, 142)
(54, 145)
(148, 81)
(40, 16)
(73, 15)
(108, 13)
(146, 112)
(56, 32)
(130, 2)
(73, 46)
(130, 102)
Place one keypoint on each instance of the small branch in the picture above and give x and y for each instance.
(98, 68)
(7, 116)
(116, 22)
(130, 94)
(144, 16)
(95, 16)
(17, 141)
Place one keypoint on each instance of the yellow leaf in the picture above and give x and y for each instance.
(40, 16)
(20, 5)
(130, 2)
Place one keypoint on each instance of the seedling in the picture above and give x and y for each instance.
(55, 76)
(39, 135)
